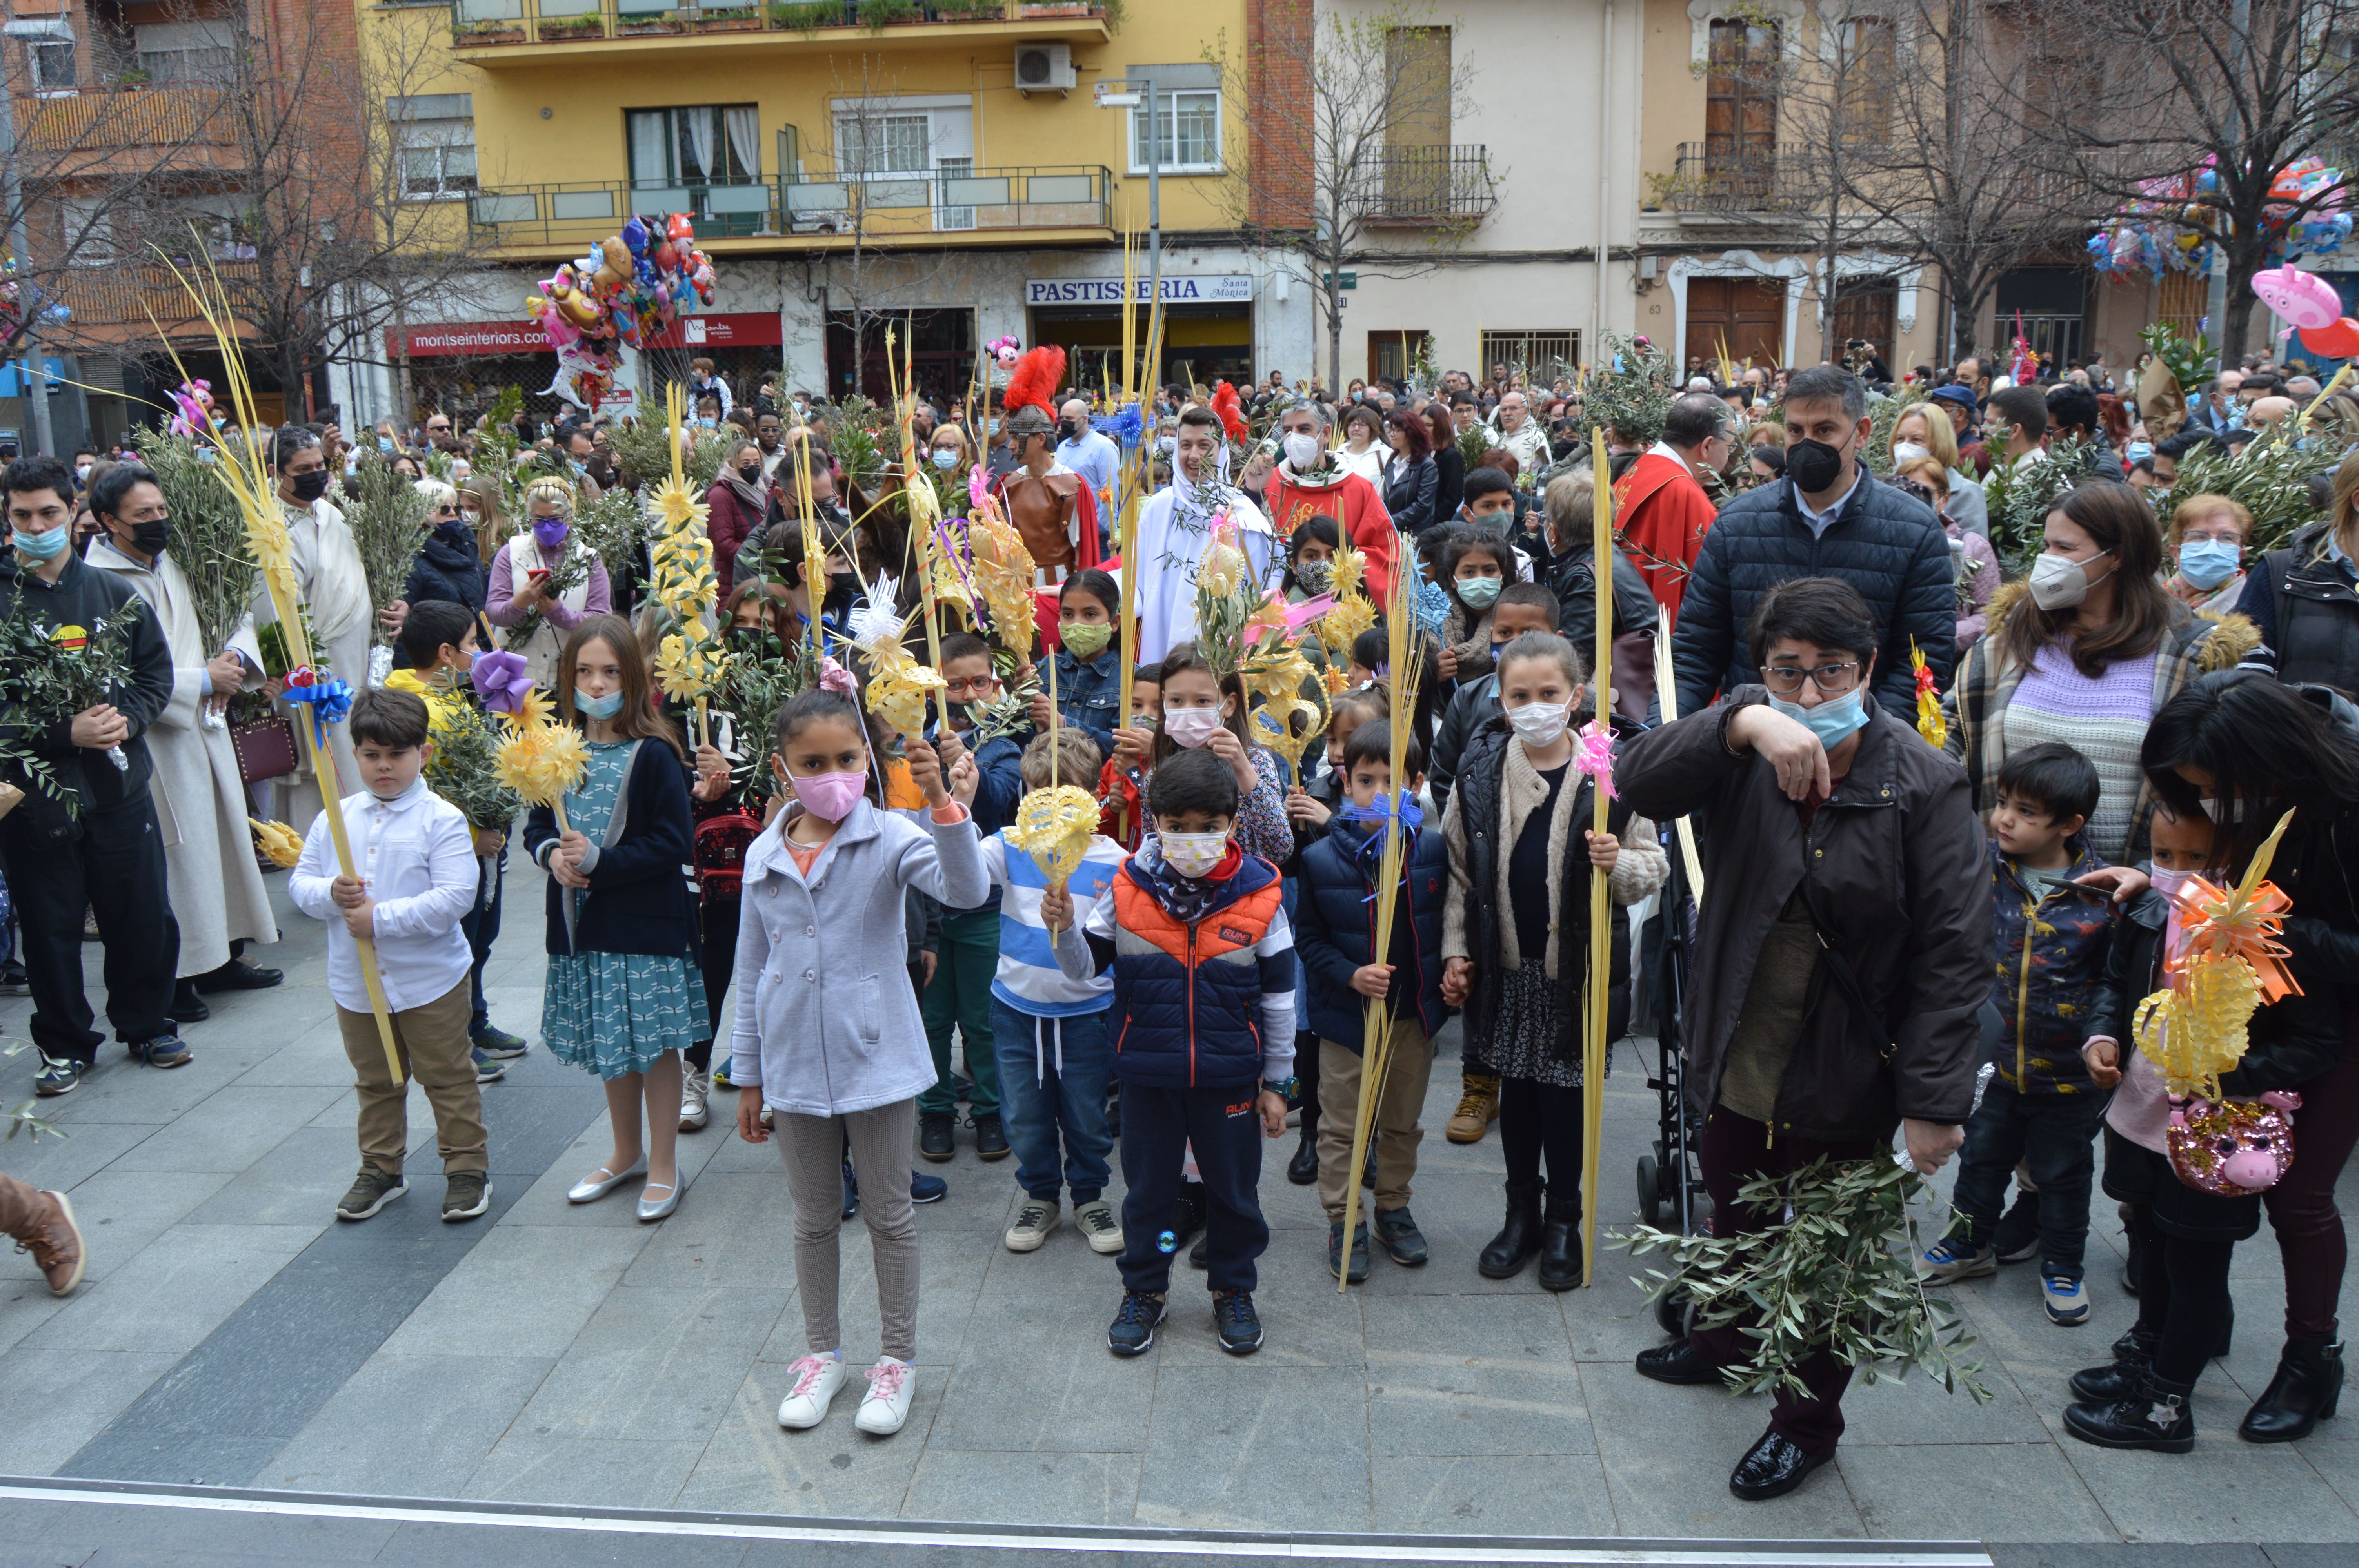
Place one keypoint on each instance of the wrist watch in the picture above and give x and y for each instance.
(1284, 1088)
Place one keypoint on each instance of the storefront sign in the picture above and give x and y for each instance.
(1192, 289)
(739, 330)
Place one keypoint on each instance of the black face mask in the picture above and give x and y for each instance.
(842, 588)
(309, 487)
(749, 472)
(1068, 430)
(152, 538)
(1813, 466)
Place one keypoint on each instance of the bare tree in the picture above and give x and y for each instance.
(2121, 94)
(1375, 87)
(1954, 181)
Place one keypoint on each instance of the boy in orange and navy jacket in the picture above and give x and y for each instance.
(1203, 1021)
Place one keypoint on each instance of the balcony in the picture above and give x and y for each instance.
(127, 129)
(516, 32)
(803, 212)
(1722, 177)
(120, 302)
(1424, 188)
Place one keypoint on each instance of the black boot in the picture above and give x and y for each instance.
(2153, 1417)
(2303, 1393)
(1303, 1169)
(2133, 1353)
(1561, 1244)
(1518, 1238)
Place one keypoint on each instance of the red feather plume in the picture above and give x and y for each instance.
(1231, 408)
(1036, 378)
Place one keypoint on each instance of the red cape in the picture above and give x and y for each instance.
(1664, 515)
(1354, 503)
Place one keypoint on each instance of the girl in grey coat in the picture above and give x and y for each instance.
(828, 1033)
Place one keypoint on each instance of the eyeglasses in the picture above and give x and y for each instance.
(1786, 679)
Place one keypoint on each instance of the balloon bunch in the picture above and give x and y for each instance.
(2320, 192)
(2308, 304)
(629, 288)
(2164, 230)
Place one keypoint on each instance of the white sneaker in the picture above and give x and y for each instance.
(1099, 1226)
(1034, 1221)
(695, 1091)
(817, 1378)
(891, 1385)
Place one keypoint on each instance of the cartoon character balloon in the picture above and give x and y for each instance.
(1006, 351)
(628, 289)
(2301, 297)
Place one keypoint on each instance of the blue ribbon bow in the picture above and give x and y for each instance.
(331, 702)
(1377, 811)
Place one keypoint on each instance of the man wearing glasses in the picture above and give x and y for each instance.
(1828, 516)
(438, 429)
(1840, 960)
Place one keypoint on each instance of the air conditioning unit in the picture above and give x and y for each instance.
(1044, 68)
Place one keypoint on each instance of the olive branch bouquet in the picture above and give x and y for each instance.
(44, 682)
(1833, 1276)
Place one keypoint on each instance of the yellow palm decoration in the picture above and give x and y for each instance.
(278, 841)
(2195, 1030)
(1054, 826)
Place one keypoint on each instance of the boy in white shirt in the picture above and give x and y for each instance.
(417, 882)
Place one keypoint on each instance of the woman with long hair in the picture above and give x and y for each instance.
(2246, 751)
(1412, 481)
(1449, 462)
(2087, 654)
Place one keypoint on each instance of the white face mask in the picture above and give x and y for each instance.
(1193, 854)
(1191, 727)
(2060, 584)
(1540, 723)
(1303, 451)
(1908, 452)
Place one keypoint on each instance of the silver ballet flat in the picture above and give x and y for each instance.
(601, 1181)
(658, 1208)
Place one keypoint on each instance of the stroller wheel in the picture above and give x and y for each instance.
(1650, 1190)
(1671, 1313)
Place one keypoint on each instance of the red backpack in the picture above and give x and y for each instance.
(720, 845)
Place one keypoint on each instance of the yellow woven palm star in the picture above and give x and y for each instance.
(676, 506)
(1054, 825)
(899, 687)
(541, 762)
(278, 841)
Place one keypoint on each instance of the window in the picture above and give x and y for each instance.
(1537, 356)
(187, 51)
(884, 143)
(706, 144)
(1863, 69)
(1187, 134)
(86, 231)
(1741, 93)
(435, 136)
(53, 64)
(1864, 312)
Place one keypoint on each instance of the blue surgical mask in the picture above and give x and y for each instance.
(2139, 451)
(44, 545)
(1833, 721)
(2207, 563)
(600, 707)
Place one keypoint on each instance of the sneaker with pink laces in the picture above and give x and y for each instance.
(816, 1379)
(891, 1385)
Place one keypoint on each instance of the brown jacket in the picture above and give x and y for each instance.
(1894, 874)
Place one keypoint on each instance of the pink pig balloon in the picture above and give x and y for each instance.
(2304, 298)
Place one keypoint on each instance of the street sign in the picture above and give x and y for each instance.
(1345, 279)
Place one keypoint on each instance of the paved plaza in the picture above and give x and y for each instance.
(233, 1334)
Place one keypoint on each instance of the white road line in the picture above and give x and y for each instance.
(1655, 1555)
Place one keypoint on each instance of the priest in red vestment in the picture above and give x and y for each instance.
(1660, 507)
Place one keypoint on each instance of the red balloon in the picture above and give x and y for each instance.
(2338, 341)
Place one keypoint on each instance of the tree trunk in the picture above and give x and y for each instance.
(1334, 342)
(401, 355)
(2243, 262)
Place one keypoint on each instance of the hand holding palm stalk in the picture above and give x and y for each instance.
(51, 674)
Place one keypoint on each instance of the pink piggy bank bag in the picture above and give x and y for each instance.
(2234, 1148)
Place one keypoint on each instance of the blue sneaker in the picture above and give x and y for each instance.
(1953, 1257)
(164, 1050)
(488, 1071)
(498, 1044)
(57, 1075)
(2066, 1299)
(927, 1189)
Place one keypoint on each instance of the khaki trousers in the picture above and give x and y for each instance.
(1393, 1145)
(436, 1052)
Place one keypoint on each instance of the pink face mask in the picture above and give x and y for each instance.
(829, 795)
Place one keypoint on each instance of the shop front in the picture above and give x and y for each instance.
(743, 346)
(1208, 325)
(461, 367)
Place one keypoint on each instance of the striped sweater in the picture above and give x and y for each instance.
(1028, 978)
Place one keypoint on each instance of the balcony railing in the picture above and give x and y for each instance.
(476, 23)
(122, 117)
(1419, 186)
(1723, 177)
(876, 206)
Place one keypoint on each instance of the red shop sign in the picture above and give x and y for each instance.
(473, 337)
(739, 330)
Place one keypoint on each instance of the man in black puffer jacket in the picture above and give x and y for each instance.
(1880, 539)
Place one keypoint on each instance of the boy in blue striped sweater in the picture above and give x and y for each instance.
(1047, 1032)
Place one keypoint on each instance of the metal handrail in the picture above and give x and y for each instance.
(482, 23)
(1424, 185)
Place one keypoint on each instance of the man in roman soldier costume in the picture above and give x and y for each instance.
(1050, 504)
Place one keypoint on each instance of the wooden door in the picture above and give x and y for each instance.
(1747, 314)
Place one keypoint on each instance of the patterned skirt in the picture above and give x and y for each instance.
(1522, 1042)
(614, 1013)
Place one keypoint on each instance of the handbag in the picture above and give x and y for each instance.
(264, 748)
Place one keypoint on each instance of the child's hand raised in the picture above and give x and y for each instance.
(1225, 745)
(711, 773)
(1372, 981)
(2104, 1055)
(1057, 908)
(1457, 980)
(1304, 809)
(1043, 713)
(1131, 746)
(926, 771)
(1447, 663)
(965, 779)
(1603, 849)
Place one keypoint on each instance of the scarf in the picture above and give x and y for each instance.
(754, 498)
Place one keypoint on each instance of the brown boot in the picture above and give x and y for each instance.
(55, 1242)
(1478, 1106)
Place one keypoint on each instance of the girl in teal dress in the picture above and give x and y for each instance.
(623, 996)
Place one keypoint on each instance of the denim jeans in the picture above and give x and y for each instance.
(2055, 1135)
(1052, 1081)
(482, 924)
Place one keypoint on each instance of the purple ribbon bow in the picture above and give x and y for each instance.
(499, 679)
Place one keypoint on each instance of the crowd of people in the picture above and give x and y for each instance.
(1937, 942)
